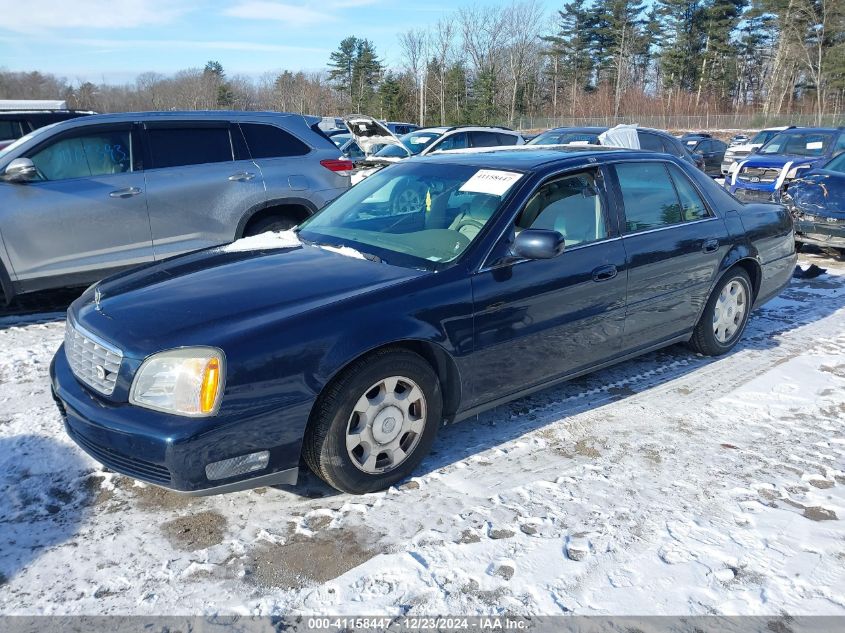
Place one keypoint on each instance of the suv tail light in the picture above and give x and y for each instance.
(340, 166)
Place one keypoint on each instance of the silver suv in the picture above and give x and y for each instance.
(84, 198)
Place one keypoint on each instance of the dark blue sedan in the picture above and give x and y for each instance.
(435, 289)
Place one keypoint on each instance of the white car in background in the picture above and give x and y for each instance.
(736, 153)
(382, 148)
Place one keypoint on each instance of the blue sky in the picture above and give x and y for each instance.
(115, 40)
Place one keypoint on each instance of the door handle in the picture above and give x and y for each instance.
(125, 193)
(604, 273)
(710, 246)
(241, 176)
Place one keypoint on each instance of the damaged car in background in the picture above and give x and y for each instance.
(347, 342)
(817, 202)
(382, 148)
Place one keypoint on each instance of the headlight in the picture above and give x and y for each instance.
(186, 381)
(793, 173)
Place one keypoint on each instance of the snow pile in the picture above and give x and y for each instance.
(262, 241)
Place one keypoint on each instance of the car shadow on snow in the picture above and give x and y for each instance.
(44, 498)
(37, 307)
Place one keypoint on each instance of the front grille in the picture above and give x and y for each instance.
(123, 464)
(93, 361)
(758, 174)
(752, 195)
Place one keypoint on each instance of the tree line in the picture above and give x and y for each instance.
(503, 64)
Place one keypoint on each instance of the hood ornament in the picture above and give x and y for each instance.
(98, 295)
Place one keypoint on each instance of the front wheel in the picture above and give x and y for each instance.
(725, 315)
(375, 422)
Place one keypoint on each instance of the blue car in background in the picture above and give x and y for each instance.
(785, 157)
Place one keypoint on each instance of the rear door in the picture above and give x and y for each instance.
(537, 320)
(673, 244)
(284, 160)
(200, 184)
(86, 215)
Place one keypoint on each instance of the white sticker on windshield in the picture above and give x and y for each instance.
(815, 144)
(420, 140)
(579, 142)
(491, 181)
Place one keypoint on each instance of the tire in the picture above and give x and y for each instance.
(273, 223)
(722, 323)
(362, 437)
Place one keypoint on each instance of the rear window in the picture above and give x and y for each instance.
(269, 141)
(177, 147)
(10, 130)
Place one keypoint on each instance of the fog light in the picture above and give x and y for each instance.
(237, 465)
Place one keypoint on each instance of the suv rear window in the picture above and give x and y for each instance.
(269, 141)
(10, 130)
(177, 147)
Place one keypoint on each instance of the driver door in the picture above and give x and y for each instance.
(86, 215)
(538, 320)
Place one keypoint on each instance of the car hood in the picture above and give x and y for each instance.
(369, 133)
(184, 300)
(745, 148)
(818, 191)
(779, 160)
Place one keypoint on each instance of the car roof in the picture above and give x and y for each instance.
(814, 130)
(195, 115)
(529, 157)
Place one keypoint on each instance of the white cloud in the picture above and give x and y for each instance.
(104, 44)
(88, 14)
(290, 14)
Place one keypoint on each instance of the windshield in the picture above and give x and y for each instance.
(764, 137)
(560, 137)
(416, 214)
(799, 144)
(414, 141)
(25, 138)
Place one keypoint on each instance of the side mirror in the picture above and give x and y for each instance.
(20, 170)
(537, 244)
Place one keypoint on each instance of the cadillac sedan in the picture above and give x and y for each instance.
(435, 289)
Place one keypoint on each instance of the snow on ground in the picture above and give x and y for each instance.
(671, 484)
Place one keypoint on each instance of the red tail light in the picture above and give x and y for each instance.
(341, 166)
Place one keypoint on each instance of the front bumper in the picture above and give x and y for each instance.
(167, 450)
(820, 231)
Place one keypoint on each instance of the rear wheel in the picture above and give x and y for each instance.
(375, 422)
(725, 315)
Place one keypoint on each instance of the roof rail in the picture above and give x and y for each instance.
(497, 127)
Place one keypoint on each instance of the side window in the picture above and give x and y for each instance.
(692, 206)
(839, 147)
(177, 147)
(269, 141)
(484, 139)
(87, 154)
(455, 141)
(570, 205)
(10, 130)
(506, 139)
(648, 196)
(650, 142)
(674, 147)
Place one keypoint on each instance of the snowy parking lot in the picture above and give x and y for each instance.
(671, 484)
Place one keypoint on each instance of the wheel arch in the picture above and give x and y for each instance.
(298, 208)
(440, 360)
(6, 286)
(746, 257)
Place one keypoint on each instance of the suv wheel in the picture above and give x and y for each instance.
(273, 223)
